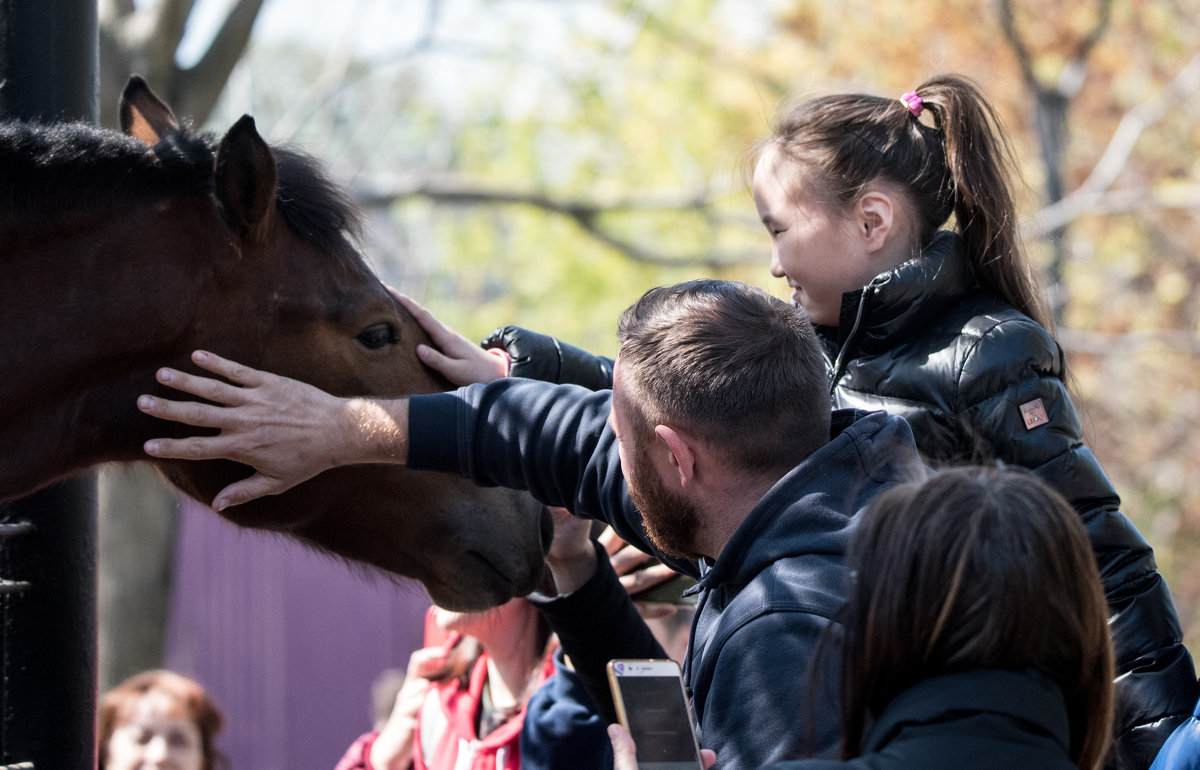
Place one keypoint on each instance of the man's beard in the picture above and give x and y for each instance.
(670, 520)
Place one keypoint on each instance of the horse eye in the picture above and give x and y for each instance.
(377, 336)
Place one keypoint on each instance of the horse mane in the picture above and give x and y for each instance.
(316, 207)
(48, 170)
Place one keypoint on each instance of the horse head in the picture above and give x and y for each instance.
(287, 291)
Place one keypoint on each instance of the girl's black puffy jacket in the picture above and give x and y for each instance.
(978, 381)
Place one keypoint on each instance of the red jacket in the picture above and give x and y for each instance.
(446, 738)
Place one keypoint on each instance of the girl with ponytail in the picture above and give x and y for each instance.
(893, 221)
(835, 149)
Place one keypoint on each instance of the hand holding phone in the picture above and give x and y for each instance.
(652, 705)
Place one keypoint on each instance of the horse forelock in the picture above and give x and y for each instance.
(48, 170)
(313, 205)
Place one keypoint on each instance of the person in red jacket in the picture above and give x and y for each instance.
(463, 700)
(489, 691)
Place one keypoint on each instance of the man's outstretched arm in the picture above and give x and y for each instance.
(287, 430)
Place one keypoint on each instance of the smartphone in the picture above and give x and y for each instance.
(652, 705)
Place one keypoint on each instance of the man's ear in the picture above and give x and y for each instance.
(680, 453)
(875, 217)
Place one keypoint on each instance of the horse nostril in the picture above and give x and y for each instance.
(547, 526)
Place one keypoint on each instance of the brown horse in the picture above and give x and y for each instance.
(120, 254)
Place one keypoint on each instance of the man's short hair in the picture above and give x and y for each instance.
(730, 364)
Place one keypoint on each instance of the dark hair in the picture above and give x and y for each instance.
(190, 697)
(961, 165)
(730, 364)
(971, 568)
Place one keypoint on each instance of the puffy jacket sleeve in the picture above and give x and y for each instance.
(542, 357)
(1010, 392)
(1182, 749)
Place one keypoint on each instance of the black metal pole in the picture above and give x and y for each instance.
(48, 71)
(48, 631)
(49, 60)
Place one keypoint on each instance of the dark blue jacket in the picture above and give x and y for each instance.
(763, 603)
(562, 728)
(983, 720)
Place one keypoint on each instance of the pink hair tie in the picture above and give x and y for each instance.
(913, 103)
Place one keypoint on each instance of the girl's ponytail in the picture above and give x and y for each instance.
(982, 170)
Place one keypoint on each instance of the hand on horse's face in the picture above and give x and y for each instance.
(286, 430)
(457, 358)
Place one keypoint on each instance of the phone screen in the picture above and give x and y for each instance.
(651, 704)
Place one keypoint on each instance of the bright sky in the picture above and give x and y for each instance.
(376, 27)
(383, 29)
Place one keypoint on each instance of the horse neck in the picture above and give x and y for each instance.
(90, 311)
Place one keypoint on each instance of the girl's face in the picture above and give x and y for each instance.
(819, 253)
(473, 623)
(157, 736)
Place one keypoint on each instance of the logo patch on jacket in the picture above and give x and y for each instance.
(1034, 414)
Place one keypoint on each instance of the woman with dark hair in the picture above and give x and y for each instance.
(975, 632)
(159, 719)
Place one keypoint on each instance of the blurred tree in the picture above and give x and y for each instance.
(144, 38)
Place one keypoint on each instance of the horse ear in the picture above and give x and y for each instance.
(143, 115)
(245, 171)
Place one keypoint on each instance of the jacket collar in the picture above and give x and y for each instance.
(810, 510)
(905, 298)
(1025, 695)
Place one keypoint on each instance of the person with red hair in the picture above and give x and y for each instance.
(159, 719)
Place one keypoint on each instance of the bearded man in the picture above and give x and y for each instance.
(715, 450)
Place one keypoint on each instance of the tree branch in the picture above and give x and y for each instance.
(200, 86)
(1062, 213)
(586, 214)
(712, 56)
(1091, 194)
(160, 39)
(1008, 24)
(1103, 18)
(1074, 72)
(335, 69)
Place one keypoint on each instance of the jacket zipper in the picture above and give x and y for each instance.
(840, 363)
